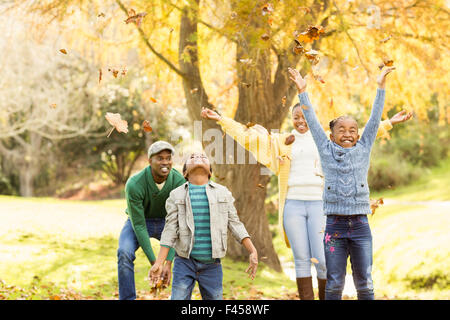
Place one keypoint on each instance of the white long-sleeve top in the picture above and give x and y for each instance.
(305, 180)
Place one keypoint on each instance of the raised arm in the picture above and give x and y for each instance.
(319, 135)
(254, 139)
(371, 128)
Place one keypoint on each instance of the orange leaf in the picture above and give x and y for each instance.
(311, 34)
(283, 101)
(153, 99)
(99, 75)
(304, 107)
(146, 126)
(298, 48)
(313, 56)
(374, 204)
(63, 51)
(53, 106)
(314, 260)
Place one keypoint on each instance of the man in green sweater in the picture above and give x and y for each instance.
(146, 193)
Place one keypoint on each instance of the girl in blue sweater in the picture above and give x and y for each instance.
(345, 159)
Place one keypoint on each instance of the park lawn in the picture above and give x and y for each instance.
(59, 249)
(433, 185)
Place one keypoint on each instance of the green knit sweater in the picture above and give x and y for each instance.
(145, 200)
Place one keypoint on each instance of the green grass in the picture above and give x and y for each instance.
(58, 249)
(67, 249)
(433, 185)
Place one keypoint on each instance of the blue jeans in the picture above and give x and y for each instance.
(187, 271)
(304, 224)
(128, 244)
(348, 236)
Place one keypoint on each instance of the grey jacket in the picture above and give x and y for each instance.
(178, 231)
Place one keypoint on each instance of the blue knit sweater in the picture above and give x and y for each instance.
(346, 191)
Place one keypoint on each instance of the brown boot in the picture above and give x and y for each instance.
(305, 288)
(322, 283)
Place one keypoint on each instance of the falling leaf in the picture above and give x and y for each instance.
(307, 10)
(194, 90)
(298, 48)
(314, 260)
(63, 51)
(153, 99)
(289, 139)
(283, 101)
(124, 71)
(116, 121)
(99, 75)
(260, 185)
(146, 126)
(267, 9)
(311, 34)
(386, 39)
(114, 72)
(53, 106)
(313, 56)
(265, 37)
(388, 62)
(318, 78)
(270, 21)
(249, 124)
(101, 14)
(304, 107)
(374, 204)
(246, 84)
(136, 18)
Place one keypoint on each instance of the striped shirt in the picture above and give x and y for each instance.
(202, 249)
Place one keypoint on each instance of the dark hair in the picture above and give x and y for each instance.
(334, 121)
(185, 168)
(297, 105)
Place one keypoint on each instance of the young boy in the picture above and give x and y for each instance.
(345, 162)
(198, 215)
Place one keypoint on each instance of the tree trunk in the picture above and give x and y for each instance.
(260, 103)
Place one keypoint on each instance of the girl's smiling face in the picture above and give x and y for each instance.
(345, 132)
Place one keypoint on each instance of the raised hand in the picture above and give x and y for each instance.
(382, 77)
(400, 117)
(297, 78)
(210, 114)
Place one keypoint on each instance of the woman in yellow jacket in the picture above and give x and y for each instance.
(294, 158)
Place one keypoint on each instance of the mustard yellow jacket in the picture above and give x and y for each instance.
(271, 151)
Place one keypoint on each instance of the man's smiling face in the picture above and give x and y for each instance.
(345, 133)
(161, 164)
